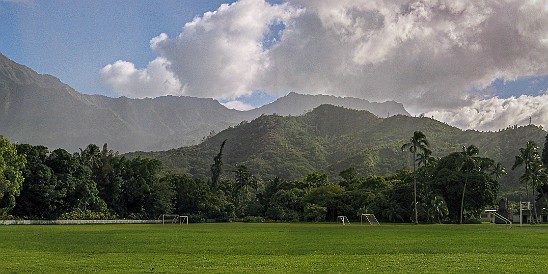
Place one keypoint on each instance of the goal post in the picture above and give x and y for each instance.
(343, 220)
(371, 219)
(173, 219)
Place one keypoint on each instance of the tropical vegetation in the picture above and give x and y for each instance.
(432, 186)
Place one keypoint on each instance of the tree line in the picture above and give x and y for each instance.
(98, 183)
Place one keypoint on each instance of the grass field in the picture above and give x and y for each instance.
(274, 247)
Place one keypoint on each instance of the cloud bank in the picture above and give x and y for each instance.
(494, 113)
(425, 54)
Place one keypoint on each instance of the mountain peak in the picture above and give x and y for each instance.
(59, 116)
(296, 104)
(21, 74)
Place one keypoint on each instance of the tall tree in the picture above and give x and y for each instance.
(498, 171)
(40, 193)
(530, 159)
(470, 162)
(459, 168)
(544, 185)
(11, 177)
(79, 191)
(140, 176)
(105, 166)
(217, 167)
(243, 181)
(424, 157)
(417, 144)
(545, 153)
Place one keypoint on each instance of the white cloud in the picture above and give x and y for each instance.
(220, 54)
(238, 105)
(495, 113)
(425, 54)
(155, 80)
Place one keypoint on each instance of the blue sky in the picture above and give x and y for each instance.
(73, 40)
(328, 47)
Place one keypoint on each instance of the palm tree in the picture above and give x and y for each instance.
(243, 181)
(537, 176)
(529, 158)
(498, 171)
(471, 163)
(424, 157)
(438, 203)
(468, 164)
(417, 143)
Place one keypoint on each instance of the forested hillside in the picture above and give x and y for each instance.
(327, 163)
(331, 139)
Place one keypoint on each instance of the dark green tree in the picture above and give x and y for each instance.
(418, 143)
(217, 168)
(162, 196)
(140, 175)
(105, 167)
(424, 157)
(244, 181)
(192, 195)
(348, 175)
(531, 160)
(327, 196)
(74, 184)
(498, 171)
(469, 163)
(11, 175)
(40, 194)
(458, 169)
(544, 186)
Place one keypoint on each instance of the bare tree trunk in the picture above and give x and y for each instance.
(462, 199)
(415, 186)
(534, 203)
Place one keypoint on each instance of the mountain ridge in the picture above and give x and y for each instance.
(40, 109)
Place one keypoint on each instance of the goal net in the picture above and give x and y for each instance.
(370, 218)
(343, 220)
(173, 219)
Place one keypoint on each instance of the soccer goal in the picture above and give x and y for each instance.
(173, 219)
(343, 220)
(371, 219)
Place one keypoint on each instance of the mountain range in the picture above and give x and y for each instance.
(39, 109)
(330, 139)
(290, 137)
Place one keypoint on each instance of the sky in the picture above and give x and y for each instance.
(474, 64)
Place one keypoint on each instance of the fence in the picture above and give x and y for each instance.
(76, 222)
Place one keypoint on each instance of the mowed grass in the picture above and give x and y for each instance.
(274, 247)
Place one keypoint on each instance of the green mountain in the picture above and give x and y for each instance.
(331, 139)
(41, 110)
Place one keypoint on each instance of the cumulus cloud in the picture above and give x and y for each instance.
(219, 54)
(152, 81)
(426, 54)
(496, 113)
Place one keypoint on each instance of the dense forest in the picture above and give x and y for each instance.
(97, 183)
(330, 139)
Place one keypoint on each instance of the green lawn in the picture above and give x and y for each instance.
(274, 247)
